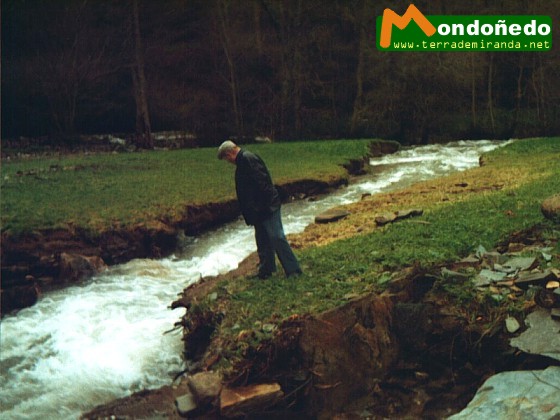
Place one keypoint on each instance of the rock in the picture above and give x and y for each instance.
(74, 267)
(206, 386)
(553, 284)
(532, 279)
(491, 258)
(331, 215)
(454, 275)
(405, 214)
(504, 269)
(385, 218)
(521, 263)
(550, 208)
(185, 404)
(546, 255)
(520, 395)
(19, 297)
(512, 325)
(541, 337)
(487, 277)
(236, 402)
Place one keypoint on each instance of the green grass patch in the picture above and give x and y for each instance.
(101, 191)
(446, 232)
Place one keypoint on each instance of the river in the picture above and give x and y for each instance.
(109, 336)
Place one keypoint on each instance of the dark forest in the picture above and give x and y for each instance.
(284, 69)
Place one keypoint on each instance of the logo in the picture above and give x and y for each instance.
(413, 31)
(390, 18)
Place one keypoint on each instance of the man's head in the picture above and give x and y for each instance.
(228, 150)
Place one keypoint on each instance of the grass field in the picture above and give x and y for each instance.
(101, 191)
(502, 197)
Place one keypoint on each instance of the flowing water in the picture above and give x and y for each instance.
(110, 336)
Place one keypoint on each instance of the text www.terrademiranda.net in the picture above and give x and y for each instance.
(471, 45)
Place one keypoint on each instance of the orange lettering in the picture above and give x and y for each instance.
(390, 18)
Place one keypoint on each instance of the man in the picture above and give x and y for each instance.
(260, 207)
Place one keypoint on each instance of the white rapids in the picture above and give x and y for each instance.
(108, 337)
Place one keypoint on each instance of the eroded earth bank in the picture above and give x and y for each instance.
(420, 349)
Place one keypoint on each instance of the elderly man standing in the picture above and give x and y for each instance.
(260, 207)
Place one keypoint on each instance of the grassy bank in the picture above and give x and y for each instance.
(481, 206)
(100, 191)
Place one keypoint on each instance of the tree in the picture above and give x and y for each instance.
(224, 30)
(144, 137)
(287, 20)
(361, 22)
(282, 68)
(68, 69)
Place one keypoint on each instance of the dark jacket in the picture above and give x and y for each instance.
(256, 194)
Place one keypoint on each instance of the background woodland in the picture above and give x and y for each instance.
(284, 69)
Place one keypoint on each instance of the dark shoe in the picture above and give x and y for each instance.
(294, 274)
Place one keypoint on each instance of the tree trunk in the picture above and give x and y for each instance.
(144, 137)
(258, 28)
(287, 22)
(358, 100)
(298, 76)
(226, 44)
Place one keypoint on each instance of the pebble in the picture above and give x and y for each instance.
(512, 325)
(185, 404)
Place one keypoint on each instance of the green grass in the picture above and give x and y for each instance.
(101, 191)
(446, 232)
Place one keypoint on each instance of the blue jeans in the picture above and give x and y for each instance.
(271, 241)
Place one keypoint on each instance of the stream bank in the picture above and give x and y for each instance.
(35, 262)
(124, 309)
(413, 351)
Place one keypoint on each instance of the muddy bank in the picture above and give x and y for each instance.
(413, 351)
(42, 260)
(38, 261)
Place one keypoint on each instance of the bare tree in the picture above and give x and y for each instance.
(287, 23)
(361, 25)
(144, 137)
(224, 28)
(66, 69)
